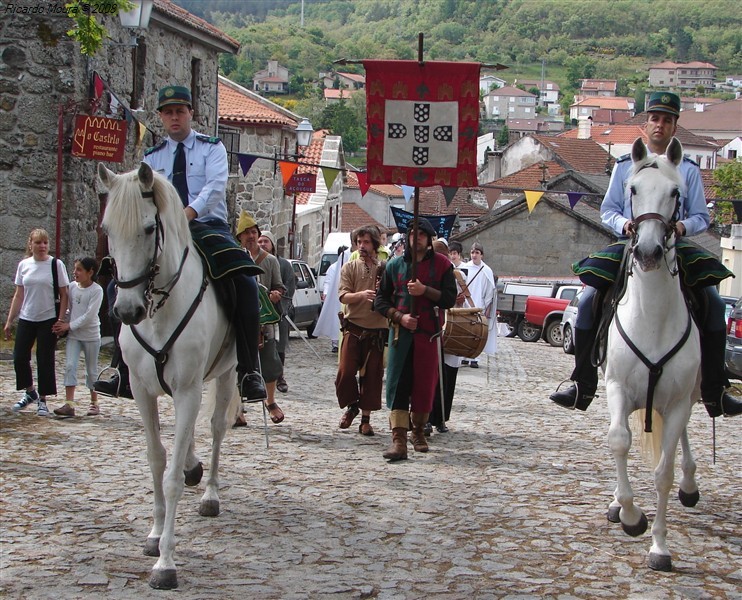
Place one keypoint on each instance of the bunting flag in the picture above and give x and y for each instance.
(574, 198)
(532, 198)
(407, 190)
(492, 195)
(141, 131)
(422, 120)
(97, 86)
(329, 174)
(443, 224)
(363, 183)
(287, 170)
(449, 193)
(246, 161)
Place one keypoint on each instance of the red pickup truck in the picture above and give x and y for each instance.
(542, 319)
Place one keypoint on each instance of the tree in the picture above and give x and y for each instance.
(341, 120)
(86, 28)
(727, 185)
(503, 137)
(580, 67)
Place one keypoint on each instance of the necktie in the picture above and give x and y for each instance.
(179, 173)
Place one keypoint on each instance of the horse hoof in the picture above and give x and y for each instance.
(659, 562)
(687, 499)
(209, 508)
(613, 512)
(152, 547)
(193, 477)
(165, 579)
(638, 529)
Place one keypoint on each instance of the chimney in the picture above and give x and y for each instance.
(494, 165)
(583, 128)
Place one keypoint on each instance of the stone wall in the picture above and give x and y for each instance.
(41, 69)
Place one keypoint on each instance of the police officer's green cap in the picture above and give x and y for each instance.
(664, 102)
(174, 94)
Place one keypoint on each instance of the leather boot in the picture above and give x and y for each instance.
(713, 377)
(585, 375)
(419, 443)
(398, 420)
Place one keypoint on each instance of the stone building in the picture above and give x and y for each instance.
(43, 73)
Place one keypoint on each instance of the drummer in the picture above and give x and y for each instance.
(481, 283)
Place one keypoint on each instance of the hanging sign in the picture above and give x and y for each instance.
(99, 138)
(302, 182)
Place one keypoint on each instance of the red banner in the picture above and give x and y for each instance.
(302, 182)
(99, 138)
(423, 120)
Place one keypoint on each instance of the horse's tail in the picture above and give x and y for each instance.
(650, 443)
(209, 405)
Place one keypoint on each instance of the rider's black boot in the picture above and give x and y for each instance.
(585, 375)
(713, 378)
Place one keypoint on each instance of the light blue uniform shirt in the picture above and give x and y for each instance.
(207, 170)
(615, 210)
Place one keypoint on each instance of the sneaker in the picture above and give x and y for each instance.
(65, 411)
(42, 409)
(28, 398)
(93, 410)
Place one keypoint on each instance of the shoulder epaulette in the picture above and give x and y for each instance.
(159, 146)
(623, 158)
(690, 160)
(207, 139)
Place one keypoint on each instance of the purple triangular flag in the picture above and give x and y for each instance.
(449, 193)
(246, 161)
(574, 198)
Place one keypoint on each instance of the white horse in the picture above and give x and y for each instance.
(653, 355)
(176, 336)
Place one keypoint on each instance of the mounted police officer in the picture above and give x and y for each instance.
(701, 271)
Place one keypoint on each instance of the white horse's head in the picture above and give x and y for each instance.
(143, 218)
(655, 186)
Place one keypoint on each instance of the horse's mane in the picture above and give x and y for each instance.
(123, 211)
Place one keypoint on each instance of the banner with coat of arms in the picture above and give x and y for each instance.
(422, 121)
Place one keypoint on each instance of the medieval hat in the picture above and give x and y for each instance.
(271, 237)
(424, 226)
(246, 221)
(174, 94)
(666, 102)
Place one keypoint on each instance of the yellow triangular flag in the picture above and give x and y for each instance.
(141, 132)
(532, 198)
(287, 170)
(329, 174)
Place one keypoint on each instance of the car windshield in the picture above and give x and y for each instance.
(327, 260)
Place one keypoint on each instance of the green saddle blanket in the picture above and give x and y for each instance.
(698, 267)
(221, 255)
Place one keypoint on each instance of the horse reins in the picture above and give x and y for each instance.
(161, 356)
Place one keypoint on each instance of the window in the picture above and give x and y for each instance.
(231, 139)
(732, 154)
(195, 84)
(306, 275)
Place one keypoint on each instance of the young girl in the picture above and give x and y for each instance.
(83, 326)
(33, 303)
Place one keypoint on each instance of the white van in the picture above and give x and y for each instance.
(330, 254)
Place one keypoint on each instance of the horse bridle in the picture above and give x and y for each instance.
(153, 269)
(669, 224)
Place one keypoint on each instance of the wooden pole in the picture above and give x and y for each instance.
(416, 203)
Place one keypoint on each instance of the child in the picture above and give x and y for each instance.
(83, 325)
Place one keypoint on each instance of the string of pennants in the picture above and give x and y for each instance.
(533, 197)
(293, 182)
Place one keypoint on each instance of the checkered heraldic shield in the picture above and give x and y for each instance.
(422, 122)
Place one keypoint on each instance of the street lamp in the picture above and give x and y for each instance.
(304, 132)
(137, 17)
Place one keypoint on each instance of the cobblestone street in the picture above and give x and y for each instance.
(510, 503)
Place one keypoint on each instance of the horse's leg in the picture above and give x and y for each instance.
(688, 489)
(225, 390)
(633, 520)
(186, 410)
(194, 470)
(157, 458)
(676, 420)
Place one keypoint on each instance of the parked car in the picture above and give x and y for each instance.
(307, 302)
(567, 326)
(733, 355)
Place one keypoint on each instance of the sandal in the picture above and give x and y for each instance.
(270, 408)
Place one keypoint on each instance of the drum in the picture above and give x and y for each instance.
(465, 332)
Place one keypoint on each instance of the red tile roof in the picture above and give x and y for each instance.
(616, 134)
(175, 12)
(332, 94)
(668, 64)
(509, 90)
(241, 108)
(599, 84)
(313, 155)
(707, 175)
(612, 102)
(390, 190)
(584, 156)
(433, 202)
(530, 177)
